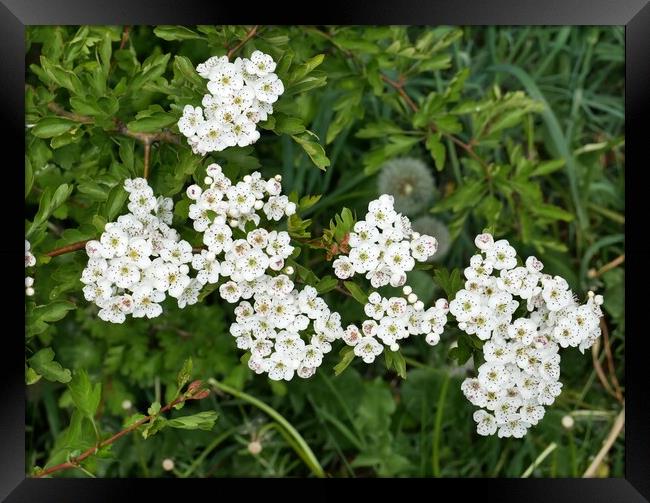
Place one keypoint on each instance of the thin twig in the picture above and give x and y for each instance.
(610, 361)
(147, 155)
(467, 147)
(607, 445)
(251, 33)
(80, 245)
(74, 462)
(595, 350)
(607, 267)
(125, 37)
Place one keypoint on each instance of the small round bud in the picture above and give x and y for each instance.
(419, 305)
(29, 291)
(255, 447)
(247, 178)
(278, 178)
(208, 180)
(394, 346)
(29, 281)
(168, 464)
(598, 300)
(259, 204)
(568, 422)
(407, 290)
(412, 298)
(126, 404)
(234, 222)
(289, 270)
(415, 235)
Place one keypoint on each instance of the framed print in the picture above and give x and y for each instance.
(365, 243)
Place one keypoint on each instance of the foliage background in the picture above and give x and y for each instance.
(522, 128)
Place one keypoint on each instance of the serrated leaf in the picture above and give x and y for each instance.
(347, 355)
(84, 394)
(49, 127)
(201, 421)
(43, 363)
(359, 295)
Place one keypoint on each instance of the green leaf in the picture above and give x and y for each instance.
(114, 202)
(168, 32)
(43, 363)
(201, 421)
(548, 167)
(84, 394)
(153, 122)
(451, 283)
(29, 176)
(437, 149)
(395, 361)
(314, 150)
(326, 284)
(49, 127)
(551, 211)
(50, 201)
(347, 355)
(306, 68)
(358, 294)
(185, 374)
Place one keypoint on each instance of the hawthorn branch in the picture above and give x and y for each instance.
(80, 245)
(193, 393)
(251, 33)
(147, 139)
(607, 267)
(467, 147)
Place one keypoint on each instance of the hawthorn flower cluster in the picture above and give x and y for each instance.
(30, 261)
(241, 94)
(521, 372)
(221, 212)
(383, 246)
(139, 260)
(270, 328)
(393, 319)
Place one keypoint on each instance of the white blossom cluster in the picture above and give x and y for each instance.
(30, 261)
(383, 246)
(139, 260)
(270, 328)
(522, 363)
(393, 319)
(221, 210)
(240, 95)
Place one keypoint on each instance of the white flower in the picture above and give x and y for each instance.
(343, 267)
(225, 79)
(268, 88)
(514, 427)
(424, 247)
(146, 302)
(30, 260)
(502, 255)
(485, 423)
(484, 241)
(191, 120)
(364, 258)
(368, 349)
(260, 64)
(230, 292)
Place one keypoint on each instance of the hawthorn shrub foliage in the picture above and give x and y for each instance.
(325, 109)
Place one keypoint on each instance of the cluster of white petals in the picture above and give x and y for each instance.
(30, 261)
(139, 260)
(271, 327)
(240, 95)
(521, 372)
(383, 246)
(393, 319)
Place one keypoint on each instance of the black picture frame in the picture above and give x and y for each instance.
(633, 14)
